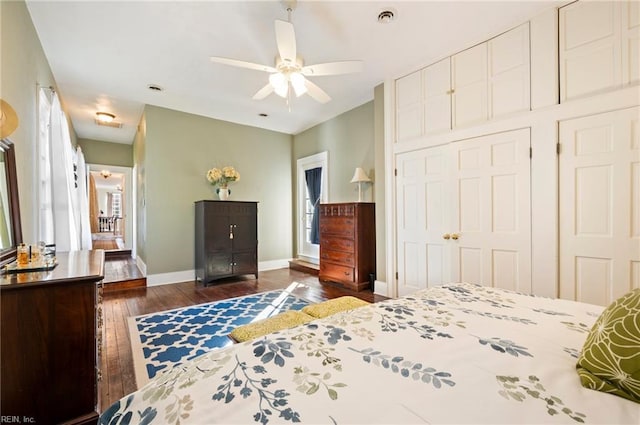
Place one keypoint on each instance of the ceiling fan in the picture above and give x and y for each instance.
(289, 73)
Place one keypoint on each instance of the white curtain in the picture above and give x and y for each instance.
(45, 195)
(83, 201)
(65, 213)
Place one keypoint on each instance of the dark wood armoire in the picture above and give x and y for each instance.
(226, 239)
(348, 243)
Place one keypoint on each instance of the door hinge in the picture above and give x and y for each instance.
(395, 172)
(396, 275)
(558, 148)
(530, 152)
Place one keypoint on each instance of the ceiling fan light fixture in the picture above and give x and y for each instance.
(298, 83)
(279, 83)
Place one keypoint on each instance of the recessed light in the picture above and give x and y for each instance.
(387, 16)
(154, 87)
(105, 117)
(262, 114)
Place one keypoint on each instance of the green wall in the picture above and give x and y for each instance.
(178, 150)
(139, 146)
(23, 66)
(349, 140)
(353, 139)
(106, 153)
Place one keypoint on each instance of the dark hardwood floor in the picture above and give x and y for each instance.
(117, 362)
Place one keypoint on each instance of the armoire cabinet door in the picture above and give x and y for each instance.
(599, 175)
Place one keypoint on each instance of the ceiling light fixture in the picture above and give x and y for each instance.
(105, 117)
(105, 173)
(280, 81)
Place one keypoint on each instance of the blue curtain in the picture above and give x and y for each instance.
(313, 178)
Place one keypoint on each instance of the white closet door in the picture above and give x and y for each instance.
(437, 97)
(631, 42)
(509, 76)
(421, 206)
(599, 174)
(469, 80)
(491, 211)
(409, 107)
(590, 51)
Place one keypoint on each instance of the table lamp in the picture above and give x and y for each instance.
(360, 177)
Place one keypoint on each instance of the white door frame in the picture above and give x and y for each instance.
(307, 251)
(128, 199)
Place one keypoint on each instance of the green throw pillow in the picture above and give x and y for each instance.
(610, 358)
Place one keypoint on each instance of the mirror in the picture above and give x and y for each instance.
(10, 228)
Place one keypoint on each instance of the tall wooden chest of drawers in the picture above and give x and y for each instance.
(347, 243)
(51, 337)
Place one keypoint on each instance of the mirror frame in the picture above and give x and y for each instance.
(9, 254)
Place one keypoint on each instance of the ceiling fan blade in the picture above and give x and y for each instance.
(333, 68)
(263, 92)
(286, 40)
(242, 64)
(316, 92)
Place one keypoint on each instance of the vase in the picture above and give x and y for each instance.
(223, 193)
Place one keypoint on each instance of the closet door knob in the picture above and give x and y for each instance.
(455, 236)
(446, 236)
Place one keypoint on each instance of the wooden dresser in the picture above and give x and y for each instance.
(51, 336)
(226, 239)
(347, 243)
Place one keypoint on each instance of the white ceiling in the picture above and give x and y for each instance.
(104, 54)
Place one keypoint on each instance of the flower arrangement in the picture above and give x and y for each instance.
(222, 177)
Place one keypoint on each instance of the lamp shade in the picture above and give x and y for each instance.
(360, 176)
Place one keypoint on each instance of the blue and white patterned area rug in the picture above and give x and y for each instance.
(162, 340)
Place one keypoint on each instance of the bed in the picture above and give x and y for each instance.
(457, 353)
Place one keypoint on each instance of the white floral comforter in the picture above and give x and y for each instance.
(459, 353)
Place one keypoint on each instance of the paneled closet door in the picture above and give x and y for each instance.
(409, 107)
(631, 41)
(491, 211)
(437, 97)
(469, 81)
(509, 72)
(421, 212)
(599, 174)
(590, 48)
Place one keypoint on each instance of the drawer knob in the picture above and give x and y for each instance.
(455, 236)
(446, 236)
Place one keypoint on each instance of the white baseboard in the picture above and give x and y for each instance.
(273, 264)
(171, 277)
(190, 275)
(381, 288)
(141, 265)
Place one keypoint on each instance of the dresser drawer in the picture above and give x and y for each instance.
(337, 226)
(337, 244)
(344, 258)
(333, 271)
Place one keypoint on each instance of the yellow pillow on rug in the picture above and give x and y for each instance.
(610, 358)
(288, 319)
(333, 306)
